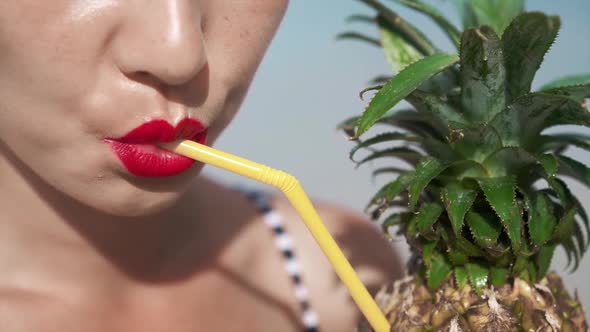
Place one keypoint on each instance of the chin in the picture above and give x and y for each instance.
(131, 196)
(134, 205)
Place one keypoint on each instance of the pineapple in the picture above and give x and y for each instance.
(483, 205)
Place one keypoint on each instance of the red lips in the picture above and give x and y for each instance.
(142, 157)
(160, 131)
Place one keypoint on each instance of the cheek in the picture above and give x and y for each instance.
(237, 35)
(47, 62)
(47, 66)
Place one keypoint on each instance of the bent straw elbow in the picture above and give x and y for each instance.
(283, 181)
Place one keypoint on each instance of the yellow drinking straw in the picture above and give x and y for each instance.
(294, 192)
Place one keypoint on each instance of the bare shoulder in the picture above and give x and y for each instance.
(370, 254)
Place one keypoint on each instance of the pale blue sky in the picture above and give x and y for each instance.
(309, 82)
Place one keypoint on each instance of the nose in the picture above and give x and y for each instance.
(162, 39)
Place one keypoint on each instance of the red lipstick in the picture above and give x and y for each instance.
(140, 155)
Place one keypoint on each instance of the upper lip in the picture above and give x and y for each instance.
(160, 130)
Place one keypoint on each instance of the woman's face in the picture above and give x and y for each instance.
(76, 73)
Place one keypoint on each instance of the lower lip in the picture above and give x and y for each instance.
(149, 160)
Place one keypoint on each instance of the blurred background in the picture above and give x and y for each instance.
(309, 82)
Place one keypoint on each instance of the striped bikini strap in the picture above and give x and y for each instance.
(285, 244)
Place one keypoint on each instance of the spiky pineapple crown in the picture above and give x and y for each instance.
(483, 200)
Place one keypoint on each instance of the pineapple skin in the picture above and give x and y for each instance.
(515, 307)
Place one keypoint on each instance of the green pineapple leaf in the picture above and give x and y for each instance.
(476, 143)
(563, 141)
(388, 170)
(457, 200)
(457, 257)
(499, 276)
(406, 119)
(522, 122)
(579, 239)
(348, 126)
(451, 31)
(484, 228)
(584, 216)
(483, 77)
(398, 52)
(569, 112)
(389, 191)
(561, 190)
(380, 80)
(563, 234)
(583, 79)
(508, 160)
(426, 170)
(393, 220)
(427, 251)
(543, 258)
(438, 149)
(401, 86)
(418, 123)
(439, 270)
(568, 200)
(379, 197)
(541, 218)
(467, 169)
(500, 193)
(478, 275)
(571, 253)
(461, 277)
(575, 169)
(360, 18)
(474, 127)
(444, 85)
(549, 162)
(565, 228)
(403, 28)
(357, 36)
(512, 160)
(576, 92)
(517, 161)
(409, 120)
(519, 267)
(581, 212)
(433, 106)
(368, 89)
(531, 271)
(526, 40)
(427, 216)
(459, 243)
(406, 154)
(381, 138)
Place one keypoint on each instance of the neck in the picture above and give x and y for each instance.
(42, 228)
